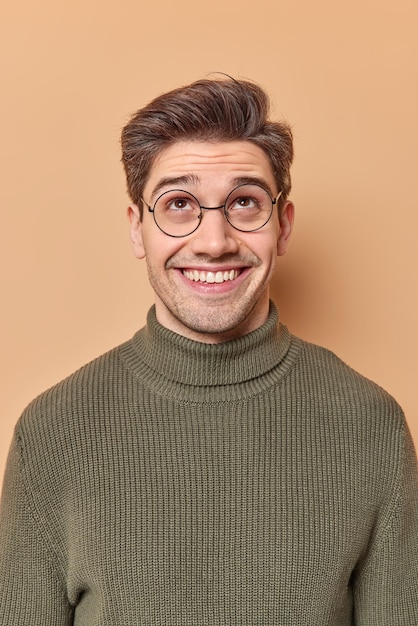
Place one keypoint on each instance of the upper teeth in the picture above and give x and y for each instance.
(210, 277)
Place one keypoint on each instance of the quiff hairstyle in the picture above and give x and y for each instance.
(206, 110)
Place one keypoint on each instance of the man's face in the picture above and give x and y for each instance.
(241, 263)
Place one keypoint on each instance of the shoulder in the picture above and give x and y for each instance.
(324, 365)
(335, 384)
(64, 431)
(352, 419)
(75, 398)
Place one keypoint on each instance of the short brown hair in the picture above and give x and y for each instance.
(207, 110)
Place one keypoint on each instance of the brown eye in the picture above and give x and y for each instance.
(178, 204)
(245, 202)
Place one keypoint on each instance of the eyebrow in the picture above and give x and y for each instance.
(251, 180)
(174, 182)
(192, 179)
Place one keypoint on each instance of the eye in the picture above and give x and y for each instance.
(243, 203)
(179, 204)
(177, 201)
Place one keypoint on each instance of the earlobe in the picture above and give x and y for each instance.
(134, 217)
(286, 220)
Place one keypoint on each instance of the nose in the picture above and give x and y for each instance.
(214, 236)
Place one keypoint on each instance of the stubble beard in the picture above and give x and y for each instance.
(216, 317)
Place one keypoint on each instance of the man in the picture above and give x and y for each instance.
(215, 469)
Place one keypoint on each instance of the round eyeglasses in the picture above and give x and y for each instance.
(247, 208)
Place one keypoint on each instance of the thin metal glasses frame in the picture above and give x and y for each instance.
(151, 209)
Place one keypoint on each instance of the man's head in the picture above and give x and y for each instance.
(211, 169)
(206, 110)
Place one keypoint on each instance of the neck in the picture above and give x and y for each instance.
(169, 361)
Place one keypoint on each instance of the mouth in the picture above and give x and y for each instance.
(200, 276)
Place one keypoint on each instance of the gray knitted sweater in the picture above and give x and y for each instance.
(172, 483)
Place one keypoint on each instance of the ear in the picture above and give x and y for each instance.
(286, 220)
(134, 216)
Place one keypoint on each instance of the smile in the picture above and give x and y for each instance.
(210, 277)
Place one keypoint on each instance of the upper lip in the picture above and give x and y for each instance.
(212, 268)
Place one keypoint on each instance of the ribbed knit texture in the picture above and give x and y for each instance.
(171, 483)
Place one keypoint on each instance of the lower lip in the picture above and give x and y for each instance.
(213, 288)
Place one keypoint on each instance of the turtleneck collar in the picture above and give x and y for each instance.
(161, 354)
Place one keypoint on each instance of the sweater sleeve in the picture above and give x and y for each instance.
(386, 586)
(32, 589)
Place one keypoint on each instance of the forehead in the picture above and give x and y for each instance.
(209, 162)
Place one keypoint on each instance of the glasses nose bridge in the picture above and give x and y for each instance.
(212, 208)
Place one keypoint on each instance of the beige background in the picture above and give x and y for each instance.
(72, 72)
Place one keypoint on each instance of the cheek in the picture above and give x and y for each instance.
(268, 256)
(159, 248)
(263, 245)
